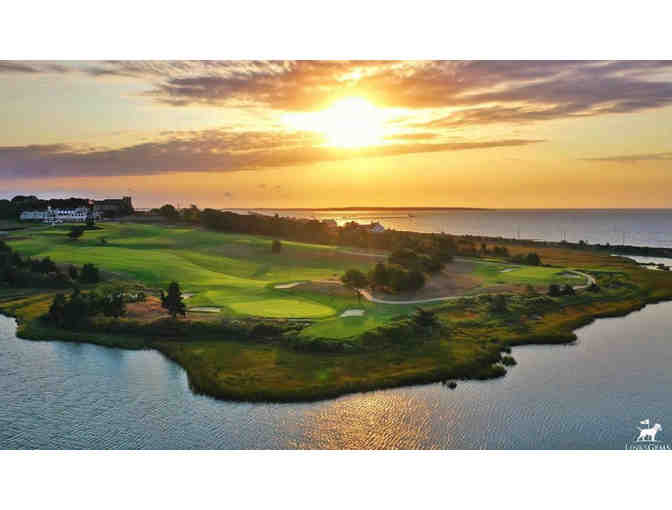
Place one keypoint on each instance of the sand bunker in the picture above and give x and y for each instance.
(507, 269)
(353, 313)
(206, 309)
(287, 285)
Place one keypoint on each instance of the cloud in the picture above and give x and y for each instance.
(412, 136)
(207, 151)
(31, 67)
(547, 89)
(634, 158)
(483, 92)
(479, 92)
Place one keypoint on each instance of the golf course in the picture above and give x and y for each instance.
(344, 342)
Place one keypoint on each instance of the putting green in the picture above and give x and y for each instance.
(494, 272)
(291, 308)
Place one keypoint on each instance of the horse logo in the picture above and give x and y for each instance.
(648, 435)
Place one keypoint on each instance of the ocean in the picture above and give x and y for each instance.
(637, 227)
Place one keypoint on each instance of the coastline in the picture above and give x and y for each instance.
(486, 365)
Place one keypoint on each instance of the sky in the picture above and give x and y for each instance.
(500, 134)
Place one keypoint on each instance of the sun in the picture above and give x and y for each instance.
(349, 123)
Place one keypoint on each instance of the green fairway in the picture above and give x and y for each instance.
(232, 271)
(237, 272)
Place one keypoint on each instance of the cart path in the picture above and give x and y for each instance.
(369, 297)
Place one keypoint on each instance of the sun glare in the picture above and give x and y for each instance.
(350, 122)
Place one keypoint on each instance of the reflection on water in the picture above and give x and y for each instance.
(588, 395)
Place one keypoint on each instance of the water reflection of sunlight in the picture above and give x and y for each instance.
(377, 420)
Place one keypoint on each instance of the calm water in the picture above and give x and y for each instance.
(638, 227)
(588, 395)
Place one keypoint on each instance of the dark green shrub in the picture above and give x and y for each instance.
(498, 304)
(89, 274)
(76, 232)
(554, 290)
(263, 330)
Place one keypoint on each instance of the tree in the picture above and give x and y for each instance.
(354, 279)
(396, 277)
(568, 290)
(57, 309)
(498, 304)
(276, 246)
(554, 290)
(532, 259)
(47, 266)
(424, 318)
(430, 263)
(445, 247)
(75, 311)
(404, 257)
(72, 271)
(89, 274)
(76, 232)
(501, 251)
(169, 211)
(415, 280)
(191, 215)
(379, 276)
(173, 301)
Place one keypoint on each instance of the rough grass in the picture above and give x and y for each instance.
(236, 370)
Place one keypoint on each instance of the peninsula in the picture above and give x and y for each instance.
(280, 310)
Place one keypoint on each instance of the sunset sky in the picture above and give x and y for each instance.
(326, 133)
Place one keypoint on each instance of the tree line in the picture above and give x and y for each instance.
(350, 234)
(19, 271)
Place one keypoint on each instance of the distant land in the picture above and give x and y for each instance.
(367, 208)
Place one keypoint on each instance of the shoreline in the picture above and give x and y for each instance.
(486, 367)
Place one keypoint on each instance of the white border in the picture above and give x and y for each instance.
(344, 29)
(339, 480)
(77, 29)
